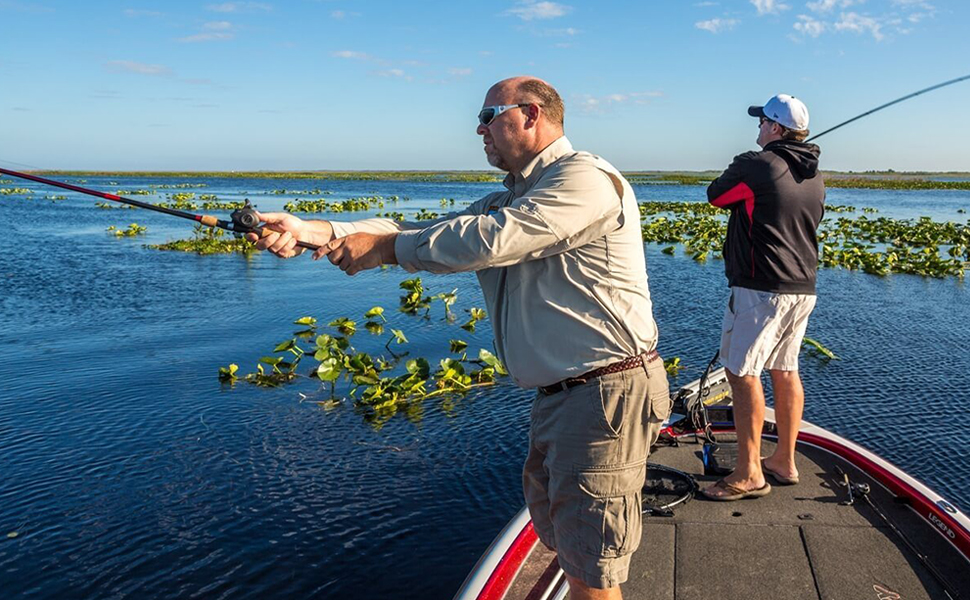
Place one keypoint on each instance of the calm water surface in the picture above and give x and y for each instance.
(127, 470)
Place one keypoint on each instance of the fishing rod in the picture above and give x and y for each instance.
(896, 101)
(242, 220)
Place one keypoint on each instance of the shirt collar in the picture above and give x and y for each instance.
(518, 183)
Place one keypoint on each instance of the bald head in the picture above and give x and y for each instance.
(536, 91)
(530, 120)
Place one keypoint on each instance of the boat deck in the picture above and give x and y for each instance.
(799, 542)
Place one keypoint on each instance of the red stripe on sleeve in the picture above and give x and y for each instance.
(740, 192)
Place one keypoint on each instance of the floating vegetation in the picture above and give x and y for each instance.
(377, 387)
(425, 215)
(133, 192)
(313, 192)
(55, 197)
(5, 181)
(397, 216)
(175, 186)
(349, 205)
(474, 316)
(15, 191)
(817, 349)
(893, 183)
(209, 241)
(180, 201)
(222, 204)
(414, 299)
(133, 230)
(879, 246)
(673, 366)
(113, 205)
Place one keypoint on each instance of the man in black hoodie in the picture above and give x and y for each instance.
(776, 198)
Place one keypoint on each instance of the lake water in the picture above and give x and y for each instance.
(127, 470)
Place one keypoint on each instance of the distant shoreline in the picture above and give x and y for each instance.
(836, 179)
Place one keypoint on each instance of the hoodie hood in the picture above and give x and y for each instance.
(801, 157)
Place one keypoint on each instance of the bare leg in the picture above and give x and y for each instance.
(749, 416)
(580, 591)
(789, 404)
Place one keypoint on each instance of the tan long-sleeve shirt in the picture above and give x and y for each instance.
(559, 256)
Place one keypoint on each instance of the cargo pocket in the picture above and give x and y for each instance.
(613, 404)
(658, 391)
(610, 506)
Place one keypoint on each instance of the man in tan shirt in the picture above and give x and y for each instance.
(560, 260)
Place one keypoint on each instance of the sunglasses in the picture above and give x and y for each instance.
(489, 113)
(763, 120)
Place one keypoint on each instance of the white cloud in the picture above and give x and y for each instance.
(353, 54)
(769, 7)
(857, 23)
(128, 66)
(338, 14)
(394, 73)
(822, 6)
(460, 71)
(716, 25)
(528, 10)
(590, 103)
(231, 7)
(809, 26)
(215, 31)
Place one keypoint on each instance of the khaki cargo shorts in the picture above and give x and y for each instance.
(584, 475)
(763, 330)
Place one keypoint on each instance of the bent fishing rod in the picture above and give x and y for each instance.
(242, 220)
(888, 104)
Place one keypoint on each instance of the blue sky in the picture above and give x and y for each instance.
(359, 84)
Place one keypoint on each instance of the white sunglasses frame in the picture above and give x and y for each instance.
(499, 109)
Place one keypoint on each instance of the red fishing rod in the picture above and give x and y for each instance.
(243, 220)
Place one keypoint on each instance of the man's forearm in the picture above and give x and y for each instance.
(320, 232)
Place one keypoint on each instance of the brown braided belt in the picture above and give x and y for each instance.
(624, 365)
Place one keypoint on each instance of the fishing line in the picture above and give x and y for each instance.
(888, 104)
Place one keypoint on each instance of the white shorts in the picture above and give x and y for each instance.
(763, 330)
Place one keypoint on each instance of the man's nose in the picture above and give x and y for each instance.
(481, 129)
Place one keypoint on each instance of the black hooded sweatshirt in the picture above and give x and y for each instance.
(776, 198)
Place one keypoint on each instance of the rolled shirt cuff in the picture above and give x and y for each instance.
(341, 229)
(406, 250)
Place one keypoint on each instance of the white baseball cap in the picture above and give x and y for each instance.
(785, 110)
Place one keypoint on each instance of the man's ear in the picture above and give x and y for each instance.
(532, 115)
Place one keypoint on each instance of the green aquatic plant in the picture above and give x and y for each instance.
(817, 349)
(673, 366)
(207, 241)
(474, 316)
(344, 326)
(113, 205)
(15, 191)
(133, 192)
(367, 381)
(133, 230)
(414, 299)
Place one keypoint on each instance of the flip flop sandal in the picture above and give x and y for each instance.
(777, 476)
(735, 492)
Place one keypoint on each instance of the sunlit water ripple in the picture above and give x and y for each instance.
(128, 471)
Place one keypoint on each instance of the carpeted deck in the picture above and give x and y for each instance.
(797, 543)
